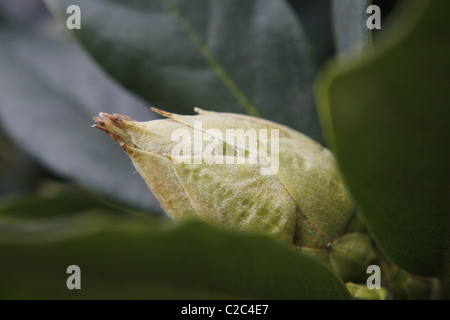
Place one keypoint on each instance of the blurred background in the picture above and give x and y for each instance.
(53, 164)
(50, 89)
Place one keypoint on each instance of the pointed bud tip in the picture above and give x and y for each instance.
(114, 118)
(104, 115)
(100, 122)
(161, 112)
(123, 117)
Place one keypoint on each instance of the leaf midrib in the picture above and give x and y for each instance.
(211, 60)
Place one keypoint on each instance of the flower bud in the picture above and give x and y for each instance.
(293, 191)
(350, 255)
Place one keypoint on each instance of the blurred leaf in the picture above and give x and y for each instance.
(56, 200)
(21, 12)
(245, 57)
(123, 256)
(410, 287)
(49, 92)
(18, 172)
(349, 25)
(315, 16)
(386, 115)
(64, 211)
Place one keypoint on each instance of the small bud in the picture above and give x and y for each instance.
(293, 191)
(350, 255)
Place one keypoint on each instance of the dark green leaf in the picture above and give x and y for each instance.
(124, 256)
(315, 16)
(49, 92)
(386, 115)
(245, 57)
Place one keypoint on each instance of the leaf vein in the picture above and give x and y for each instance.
(211, 60)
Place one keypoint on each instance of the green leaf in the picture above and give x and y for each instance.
(245, 57)
(386, 116)
(50, 90)
(349, 25)
(127, 257)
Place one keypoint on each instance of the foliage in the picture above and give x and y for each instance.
(383, 114)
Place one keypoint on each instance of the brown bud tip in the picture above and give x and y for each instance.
(114, 118)
(100, 122)
(123, 117)
(104, 121)
(161, 112)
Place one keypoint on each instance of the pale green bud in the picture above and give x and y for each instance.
(350, 255)
(303, 201)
